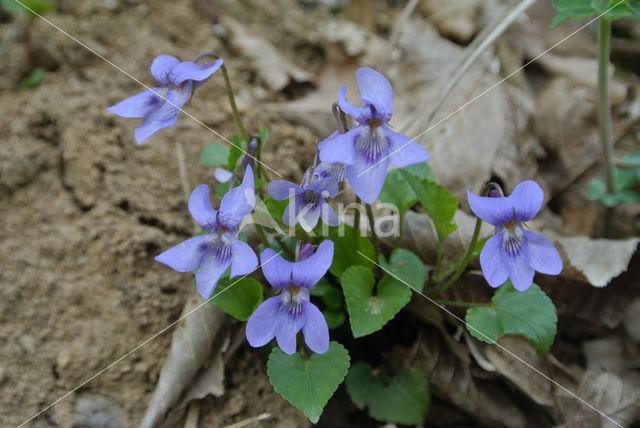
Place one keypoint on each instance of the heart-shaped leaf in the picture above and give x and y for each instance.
(405, 266)
(238, 298)
(403, 399)
(308, 384)
(529, 313)
(368, 312)
(348, 245)
(215, 154)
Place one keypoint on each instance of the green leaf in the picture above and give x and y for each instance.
(222, 189)
(404, 399)
(437, 201)
(32, 7)
(614, 9)
(276, 208)
(396, 190)
(624, 179)
(237, 149)
(528, 313)
(34, 79)
(238, 298)
(264, 134)
(559, 19)
(632, 160)
(368, 312)
(215, 154)
(347, 245)
(308, 384)
(406, 266)
(574, 8)
(335, 317)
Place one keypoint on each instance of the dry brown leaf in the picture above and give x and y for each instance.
(451, 379)
(454, 19)
(596, 260)
(276, 70)
(531, 384)
(583, 71)
(464, 145)
(314, 109)
(419, 235)
(617, 398)
(190, 348)
(611, 354)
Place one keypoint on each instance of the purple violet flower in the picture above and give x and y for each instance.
(514, 252)
(284, 315)
(336, 170)
(159, 107)
(368, 148)
(212, 253)
(308, 203)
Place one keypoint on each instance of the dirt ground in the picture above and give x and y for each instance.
(84, 210)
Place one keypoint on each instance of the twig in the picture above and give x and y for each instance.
(604, 115)
(249, 421)
(486, 37)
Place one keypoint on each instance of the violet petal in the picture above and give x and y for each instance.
(315, 329)
(186, 256)
(493, 267)
(543, 256)
(261, 327)
(309, 271)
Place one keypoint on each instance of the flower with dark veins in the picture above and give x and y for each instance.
(284, 315)
(308, 203)
(159, 107)
(368, 148)
(220, 247)
(514, 252)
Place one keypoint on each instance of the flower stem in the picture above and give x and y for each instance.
(373, 230)
(232, 103)
(227, 82)
(465, 260)
(604, 114)
(356, 216)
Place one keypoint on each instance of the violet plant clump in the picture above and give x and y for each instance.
(159, 107)
(514, 252)
(348, 275)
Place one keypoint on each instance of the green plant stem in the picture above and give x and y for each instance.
(232, 103)
(356, 216)
(373, 230)
(460, 304)
(604, 114)
(262, 235)
(465, 260)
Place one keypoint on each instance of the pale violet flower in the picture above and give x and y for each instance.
(220, 247)
(284, 315)
(159, 107)
(514, 252)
